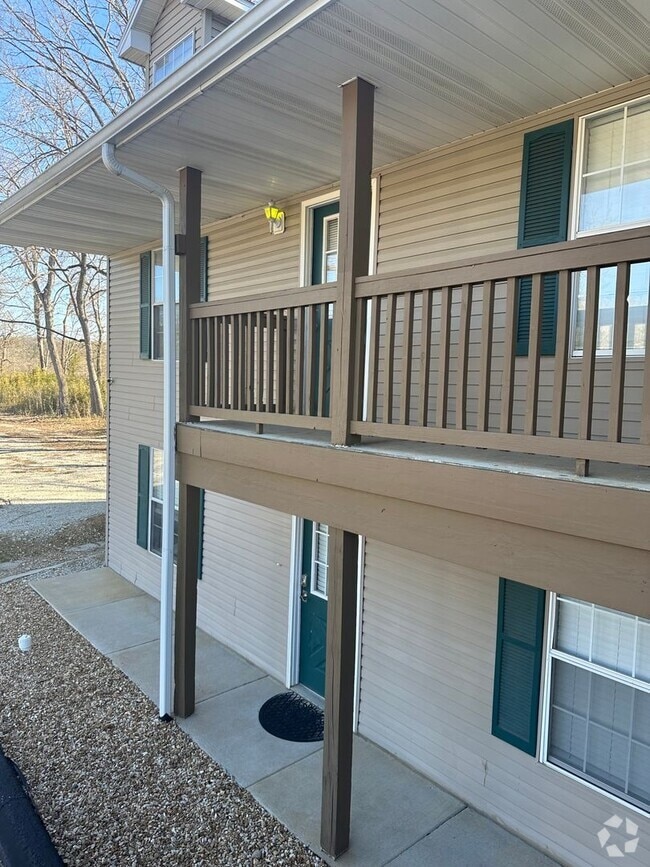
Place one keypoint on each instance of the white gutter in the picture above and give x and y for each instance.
(165, 702)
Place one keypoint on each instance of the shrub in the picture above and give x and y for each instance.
(36, 393)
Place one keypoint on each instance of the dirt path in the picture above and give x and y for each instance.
(52, 491)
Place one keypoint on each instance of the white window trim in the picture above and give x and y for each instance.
(155, 303)
(545, 727)
(161, 58)
(314, 561)
(574, 234)
(579, 156)
(153, 449)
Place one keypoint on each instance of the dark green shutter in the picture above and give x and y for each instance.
(145, 305)
(543, 219)
(199, 560)
(518, 664)
(203, 277)
(143, 496)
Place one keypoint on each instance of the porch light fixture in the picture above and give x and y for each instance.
(275, 217)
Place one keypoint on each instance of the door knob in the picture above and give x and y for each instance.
(303, 588)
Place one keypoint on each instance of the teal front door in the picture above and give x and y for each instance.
(313, 606)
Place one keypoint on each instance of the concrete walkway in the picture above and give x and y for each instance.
(398, 816)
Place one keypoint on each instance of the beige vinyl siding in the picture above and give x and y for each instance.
(245, 258)
(175, 22)
(429, 633)
(135, 417)
(243, 597)
(244, 592)
(462, 200)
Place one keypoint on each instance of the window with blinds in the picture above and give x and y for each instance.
(598, 698)
(330, 248)
(319, 565)
(615, 170)
(613, 192)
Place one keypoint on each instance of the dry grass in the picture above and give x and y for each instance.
(35, 392)
(39, 426)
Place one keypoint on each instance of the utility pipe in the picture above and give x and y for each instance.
(165, 701)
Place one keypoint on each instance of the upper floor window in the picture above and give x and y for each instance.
(172, 59)
(613, 192)
(614, 173)
(157, 305)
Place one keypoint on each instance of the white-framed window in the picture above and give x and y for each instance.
(611, 192)
(157, 304)
(330, 248)
(597, 699)
(156, 504)
(172, 59)
(319, 560)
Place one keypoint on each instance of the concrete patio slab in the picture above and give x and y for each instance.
(398, 816)
(69, 593)
(117, 625)
(217, 668)
(392, 805)
(472, 840)
(228, 729)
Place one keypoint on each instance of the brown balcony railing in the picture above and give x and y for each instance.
(439, 356)
(264, 358)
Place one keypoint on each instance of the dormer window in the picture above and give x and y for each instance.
(172, 59)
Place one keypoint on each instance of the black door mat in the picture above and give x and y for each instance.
(291, 717)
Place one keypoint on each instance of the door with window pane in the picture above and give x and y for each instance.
(313, 606)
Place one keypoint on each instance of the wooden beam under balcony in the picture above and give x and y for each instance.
(189, 509)
(354, 243)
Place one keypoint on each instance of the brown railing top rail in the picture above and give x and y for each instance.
(598, 250)
(323, 293)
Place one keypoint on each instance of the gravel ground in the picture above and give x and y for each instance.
(114, 785)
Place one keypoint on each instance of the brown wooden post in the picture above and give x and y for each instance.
(189, 508)
(354, 244)
(343, 549)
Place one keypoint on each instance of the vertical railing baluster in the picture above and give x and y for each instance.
(443, 361)
(203, 352)
(280, 366)
(589, 355)
(311, 400)
(270, 361)
(359, 347)
(619, 348)
(228, 352)
(321, 363)
(250, 361)
(509, 346)
(259, 378)
(389, 358)
(373, 354)
(194, 362)
(463, 355)
(223, 395)
(212, 362)
(561, 353)
(534, 348)
(407, 360)
(425, 358)
(301, 362)
(645, 400)
(236, 361)
(487, 328)
(290, 348)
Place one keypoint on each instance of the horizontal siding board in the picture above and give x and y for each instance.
(426, 695)
(243, 597)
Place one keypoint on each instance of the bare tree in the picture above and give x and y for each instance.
(59, 63)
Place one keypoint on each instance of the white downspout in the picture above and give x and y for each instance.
(165, 702)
